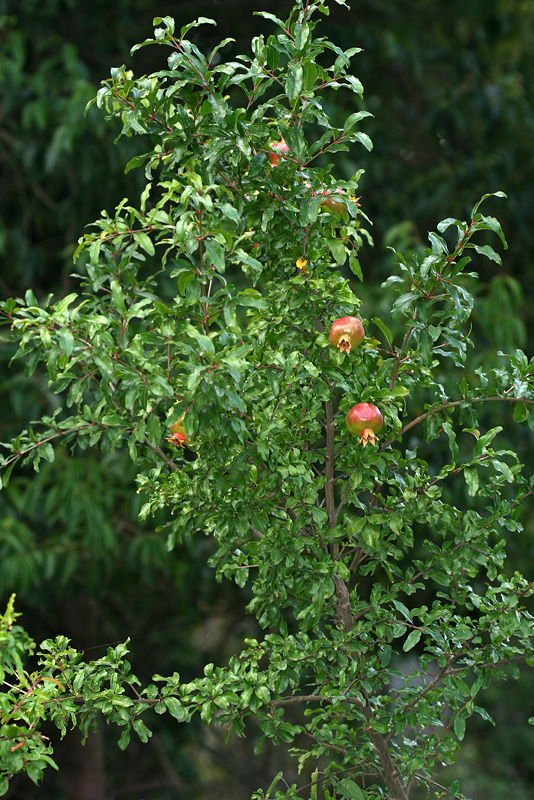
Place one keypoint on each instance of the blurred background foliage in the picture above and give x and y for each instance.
(451, 88)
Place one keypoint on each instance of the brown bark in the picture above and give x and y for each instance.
(344, 617)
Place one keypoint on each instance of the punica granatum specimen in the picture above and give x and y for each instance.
(178, 438)
(346, 332)
(331, 203)
(364, 420)
(277, 149)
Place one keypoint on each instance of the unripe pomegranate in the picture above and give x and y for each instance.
(277, 149)
(364, 420)
(332, 203)
(346, 332)
(178, 438)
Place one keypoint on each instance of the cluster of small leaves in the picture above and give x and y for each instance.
(64, 690)
(354, 556)
(439, 300)
(22, 745)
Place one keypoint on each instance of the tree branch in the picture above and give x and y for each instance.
(453, 404)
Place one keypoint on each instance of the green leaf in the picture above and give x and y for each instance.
(302, 34)
(144, 241)
(216, 253)
(266, 15)
(350, 790)
(471, 478)
(273, 381)
(34, 772)
(163, 386)
(176, 709)
(94, 251)
(30, 299)
(104, 364)
(447, 427)
(355, 266)
(141, 730)
(504, 469)
(65, 303)
(66, 340)
(459, 727)
(486, 250)
(404, 304)
(486, 439)
(446, 223)
(204, 341)
(124, 740)
(338, 250)
(411, 640)
(484, 197)
(363, 138)
(263, 693)
(186, 28)
(294, 80)
(439, 245)
(252, 298)
(385, 330)
(117, 295)
(231, 212)
(351, 121)
(521, 412)
(370, 534)
(493, 224)
(133, 163)
(218, 105)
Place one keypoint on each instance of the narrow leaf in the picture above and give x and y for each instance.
(471, 478)
(485, 440)
(489, 252)
(384, 328)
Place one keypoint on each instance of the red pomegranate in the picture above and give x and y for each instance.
(364, 420)
(346, 332)
(179, 437)
(277, 149)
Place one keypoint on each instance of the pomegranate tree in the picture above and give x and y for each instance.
(346, 333)
(364, 420)
(339, 550)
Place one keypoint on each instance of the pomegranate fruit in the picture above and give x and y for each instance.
(346, 332)
(332, 204)
(178, 438)
(364, 420)
(277, 149)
